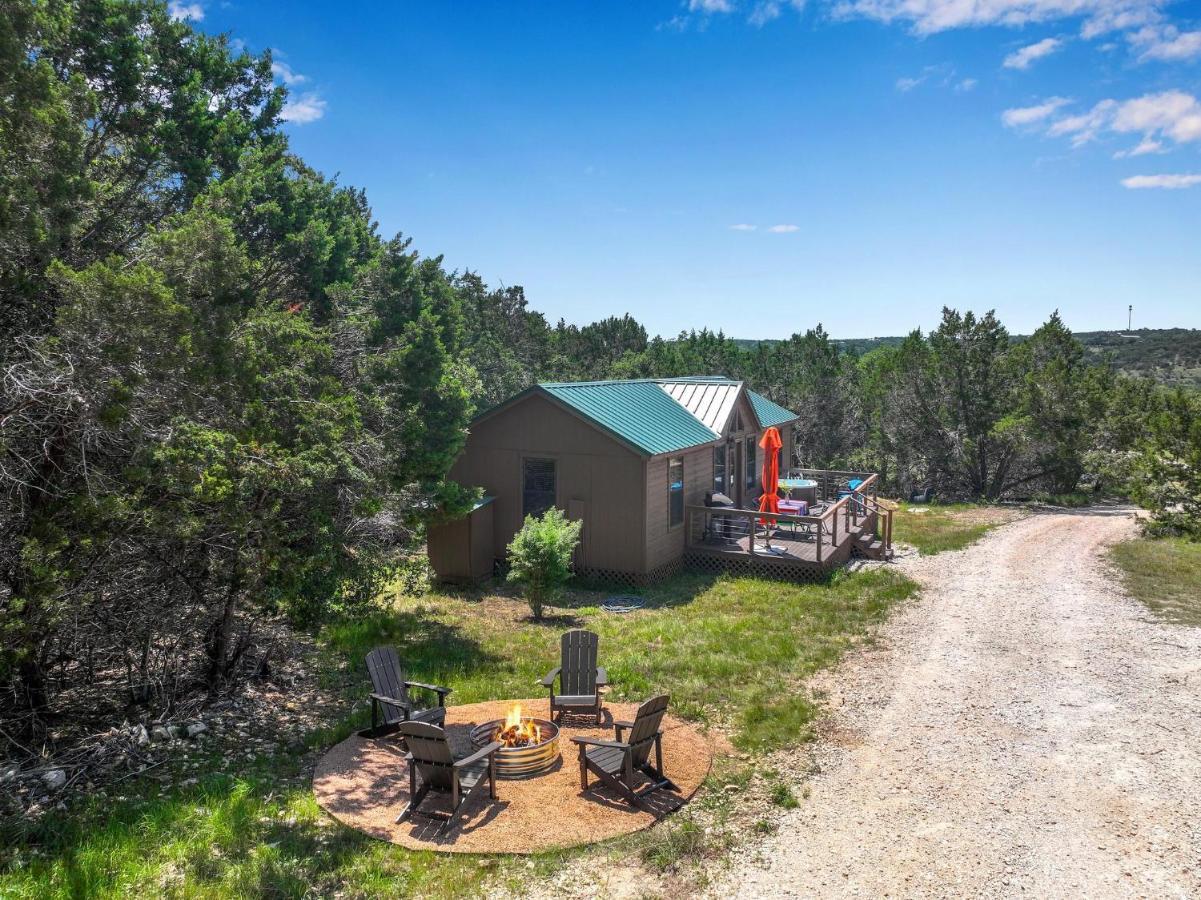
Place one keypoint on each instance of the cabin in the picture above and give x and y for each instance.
(662, 472)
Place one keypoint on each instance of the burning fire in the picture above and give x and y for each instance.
(518, 733)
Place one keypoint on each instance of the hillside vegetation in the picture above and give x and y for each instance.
(226, 399)
(1171, 356)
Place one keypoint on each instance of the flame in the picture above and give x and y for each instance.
(518, 732)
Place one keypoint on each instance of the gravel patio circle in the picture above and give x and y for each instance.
(364, 784)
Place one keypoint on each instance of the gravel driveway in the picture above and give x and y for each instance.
(1024, 729)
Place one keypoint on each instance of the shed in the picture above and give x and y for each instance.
(462, 550)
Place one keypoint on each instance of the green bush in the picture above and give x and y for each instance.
(540, 556)
(1169, 482)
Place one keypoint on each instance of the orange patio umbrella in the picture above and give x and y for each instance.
(770, 501)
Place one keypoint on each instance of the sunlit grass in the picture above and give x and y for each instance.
(732, 652)
(1164, 573)
(939, 527)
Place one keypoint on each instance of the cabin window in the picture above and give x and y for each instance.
(750, 463)
(675, 492)
(538, 486)
(719, 470)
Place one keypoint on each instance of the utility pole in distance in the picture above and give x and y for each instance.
(1130, 317)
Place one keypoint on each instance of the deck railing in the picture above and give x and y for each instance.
(833, 482)
(846, 508)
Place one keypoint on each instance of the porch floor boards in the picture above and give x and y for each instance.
(800, 550)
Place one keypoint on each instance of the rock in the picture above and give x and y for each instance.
(177, 731)
(140, 735)
(159, 733)
(54, 779)
(9, 773)
(197, 728)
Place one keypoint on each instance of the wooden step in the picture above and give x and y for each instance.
(870, 546)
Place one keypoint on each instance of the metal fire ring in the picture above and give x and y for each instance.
(520, 762)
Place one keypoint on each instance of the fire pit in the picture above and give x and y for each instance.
(530, 745)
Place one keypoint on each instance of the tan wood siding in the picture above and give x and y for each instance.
(665, 543)
(603, 476)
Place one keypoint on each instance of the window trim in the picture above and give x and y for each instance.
(749, 461)
(671, 492)
(723, 448)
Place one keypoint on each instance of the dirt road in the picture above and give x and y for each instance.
(1024, 729)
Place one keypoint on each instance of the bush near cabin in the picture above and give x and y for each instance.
(540, 556)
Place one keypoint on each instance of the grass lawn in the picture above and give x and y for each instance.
(937, 527)
(733, 653)
(1164, 573)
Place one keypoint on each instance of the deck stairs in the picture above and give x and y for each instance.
(869, 545)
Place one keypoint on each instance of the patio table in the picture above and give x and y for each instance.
(794, 508)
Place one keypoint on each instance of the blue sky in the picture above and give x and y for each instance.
(760, 166)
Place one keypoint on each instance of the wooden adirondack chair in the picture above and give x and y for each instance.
(434, 767)
(390, 700)
(580, 678)
(615, 762)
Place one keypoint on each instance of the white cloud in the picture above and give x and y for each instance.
(1032, 115)
(1021, 59)
(758, 12)
(1083, 127)
(1173, 114)
(1166, 43)
(1168, 182)
(1121, 16)
(180, 11)
(769, 10)
(303, 109)
(941, 74)
(742, 226)
(284, 73)
(1168, 115)
(1145, 146)
(784, 229)
(931, 16)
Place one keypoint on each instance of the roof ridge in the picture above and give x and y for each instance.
(718, 379)
(562, 384)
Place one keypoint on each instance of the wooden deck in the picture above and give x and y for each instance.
(802, 548)
(789, 545)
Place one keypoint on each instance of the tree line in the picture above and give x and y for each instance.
(964, 409)
(225, 396)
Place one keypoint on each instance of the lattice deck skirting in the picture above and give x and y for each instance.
(635, 579)
(763, 567)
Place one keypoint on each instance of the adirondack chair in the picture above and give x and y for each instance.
(580, 678)
(434, 767)
(615, 762)
(390, 698)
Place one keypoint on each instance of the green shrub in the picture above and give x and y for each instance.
(540, 556)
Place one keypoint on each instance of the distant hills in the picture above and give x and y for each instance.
(1169, 355)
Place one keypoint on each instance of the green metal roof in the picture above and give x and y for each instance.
(769, 413)
(639, 412)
